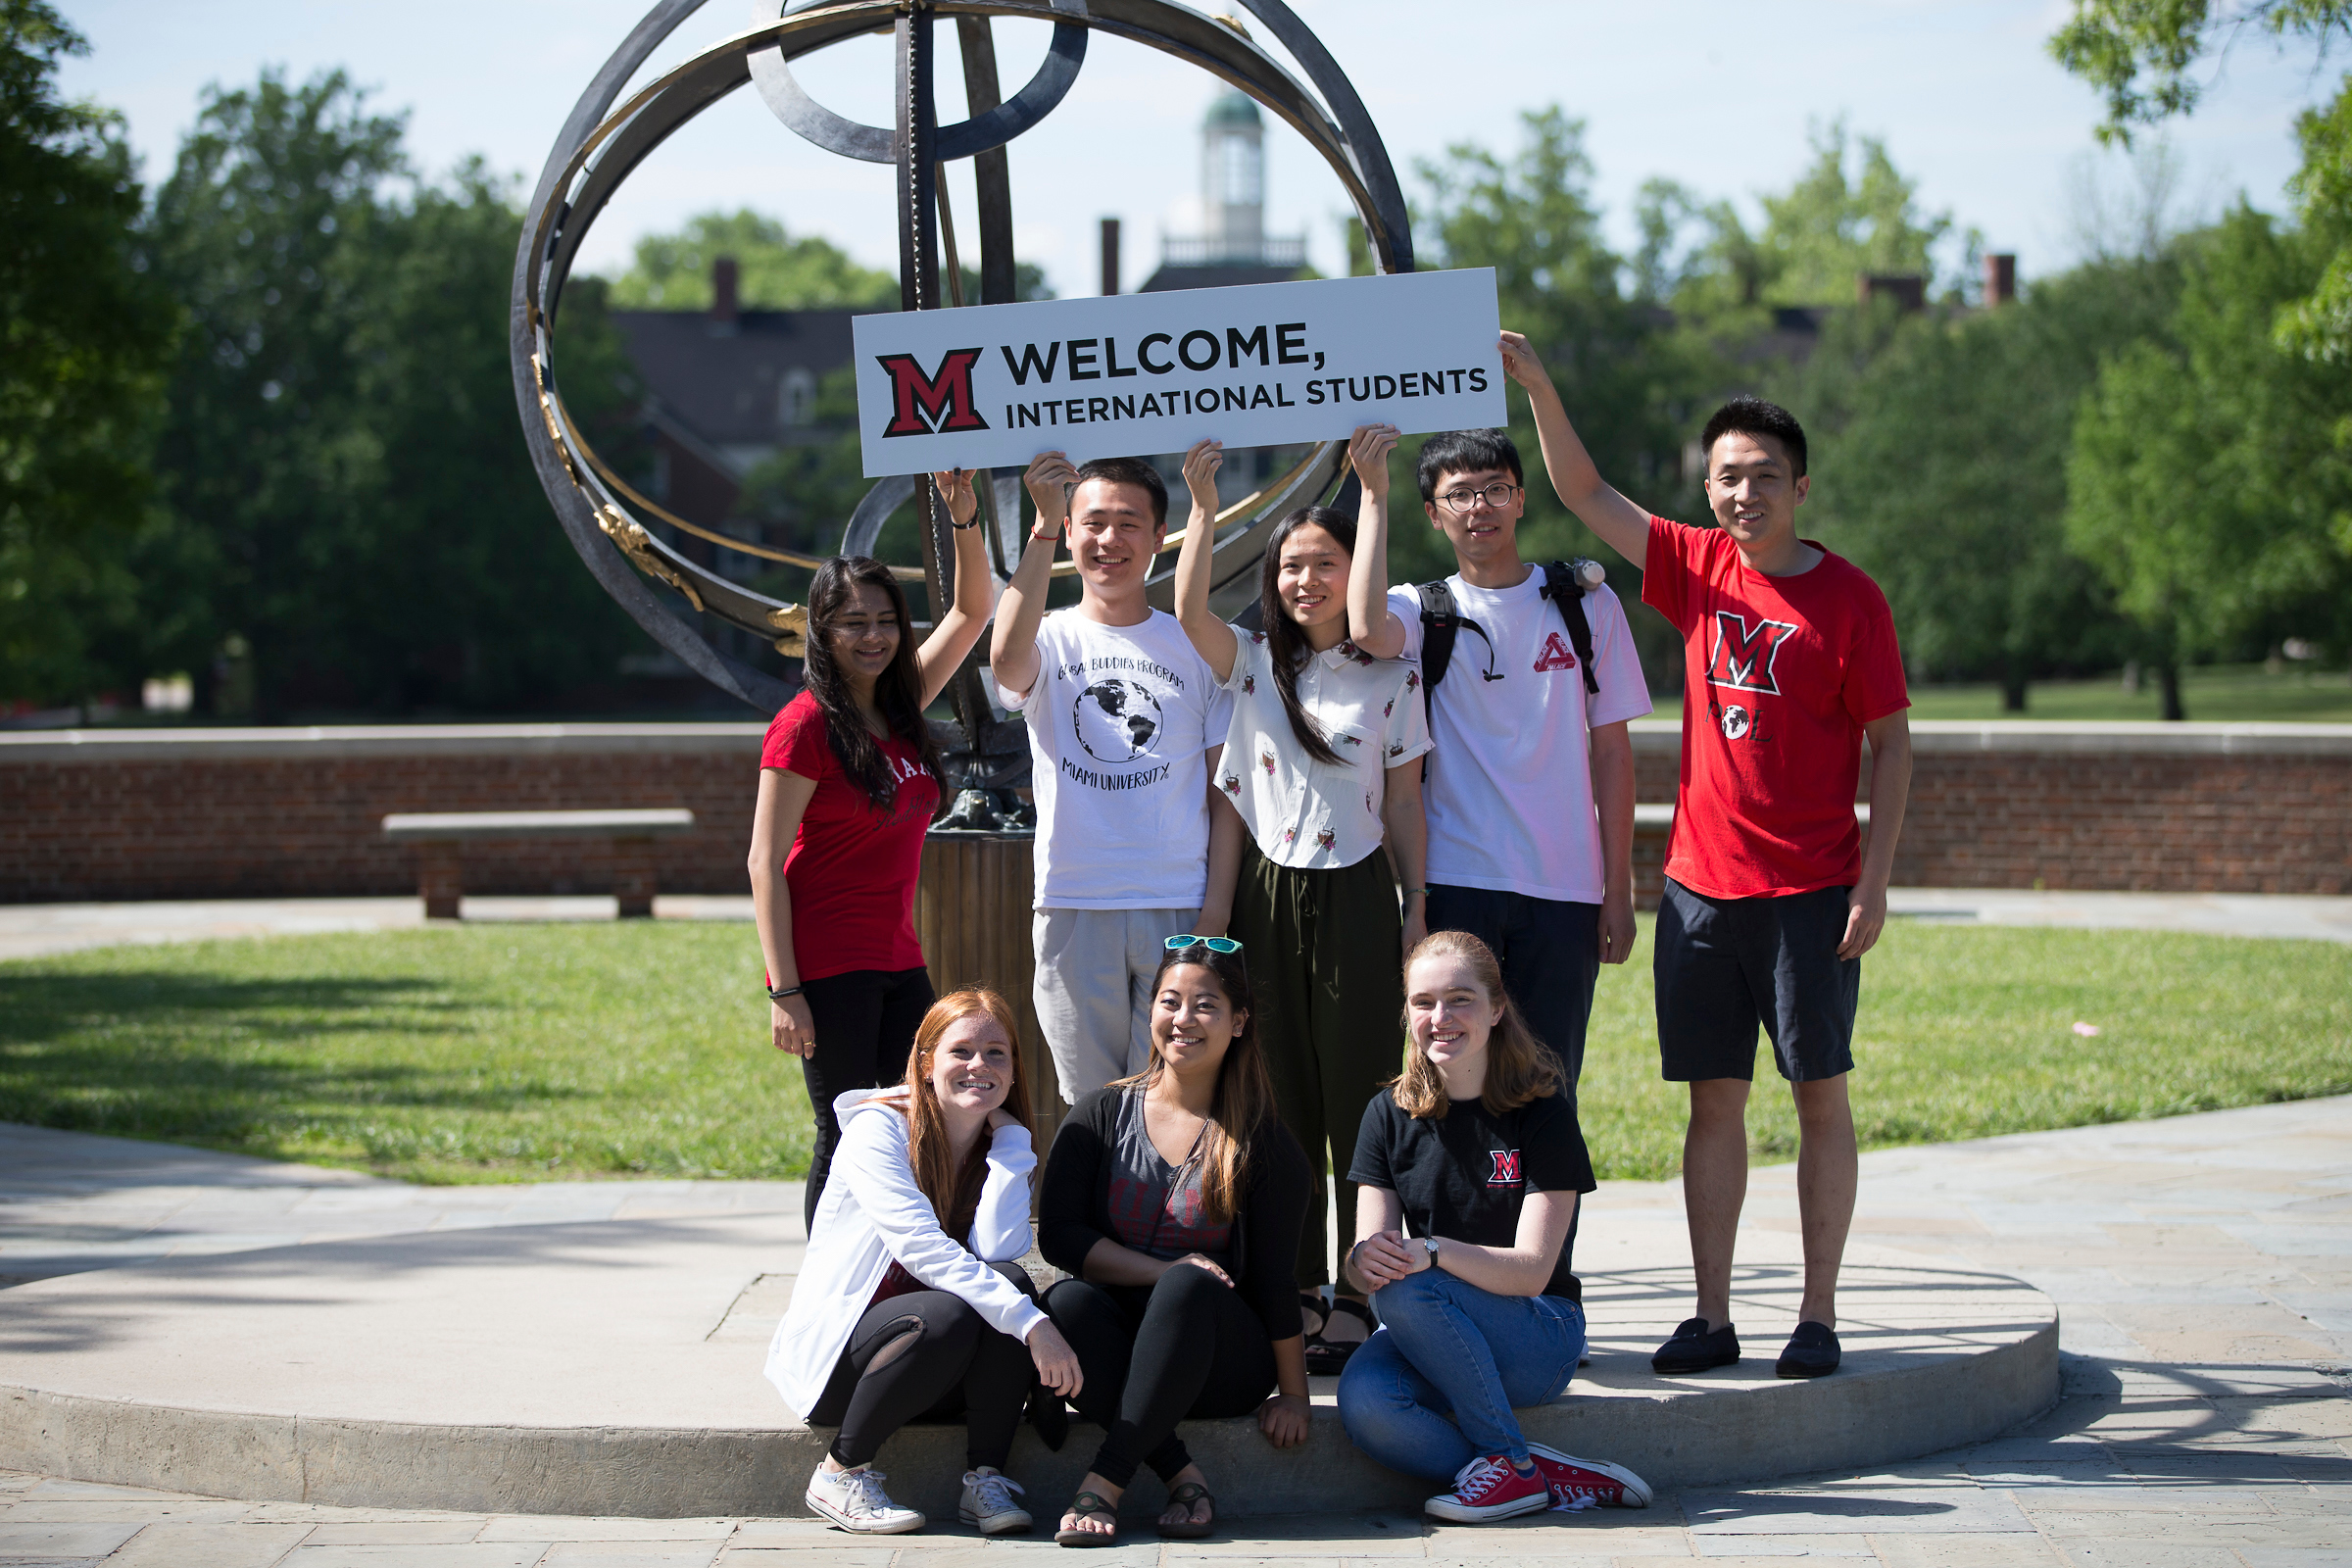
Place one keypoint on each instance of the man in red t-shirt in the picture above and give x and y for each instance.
(1790, 660)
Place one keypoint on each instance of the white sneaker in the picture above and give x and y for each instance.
(855, 1500)
(987, 1503)
(1608, 1486)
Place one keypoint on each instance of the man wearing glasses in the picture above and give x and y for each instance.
(1530, 790)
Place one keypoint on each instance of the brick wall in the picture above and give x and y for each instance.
(252, 814)
(109, 814)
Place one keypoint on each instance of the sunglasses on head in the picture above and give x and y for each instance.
(1212, 944)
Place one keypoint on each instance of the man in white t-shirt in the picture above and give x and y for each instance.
(1126, 723)
(1530, 793)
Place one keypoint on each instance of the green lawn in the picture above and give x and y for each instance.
(494, 1053)
(480, 1053)
(2232, 693)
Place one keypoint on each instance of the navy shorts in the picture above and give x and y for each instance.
(1723, 966)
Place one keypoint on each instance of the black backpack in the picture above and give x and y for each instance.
(1563, 584)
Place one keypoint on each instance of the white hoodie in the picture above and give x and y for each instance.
(872, 1212)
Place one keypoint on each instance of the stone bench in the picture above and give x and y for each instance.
(441, 838)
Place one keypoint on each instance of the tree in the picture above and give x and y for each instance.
(1941, 442)
(352, 517)
(83, 337)
(457, 588)
(1828, 228)
(2139, 53)
(2321, 322)
(2267, 500)
(774, 271)
(1533, 221)
(2206, 481)
(262, 233)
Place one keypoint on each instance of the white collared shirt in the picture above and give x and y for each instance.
(1302, 812)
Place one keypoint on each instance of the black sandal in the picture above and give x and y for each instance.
(1188, 1497)
(1328, 1359)
(1083, 1505)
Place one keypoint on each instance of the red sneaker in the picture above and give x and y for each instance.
(1489, 1488)
(1610, 1486)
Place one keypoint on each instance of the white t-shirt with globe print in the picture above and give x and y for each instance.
(1118, 721)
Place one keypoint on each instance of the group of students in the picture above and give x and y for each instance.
(1259, 846)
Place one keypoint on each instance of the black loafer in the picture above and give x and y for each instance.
(1812, 1352)
(1694, 1348)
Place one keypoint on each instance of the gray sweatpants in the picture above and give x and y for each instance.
(1094, 989)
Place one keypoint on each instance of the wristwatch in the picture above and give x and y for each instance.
(1430, 1243)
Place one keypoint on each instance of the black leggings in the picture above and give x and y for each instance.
(865, 1022)
(951, 1364)
(1186, 1349)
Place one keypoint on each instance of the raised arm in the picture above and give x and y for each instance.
(942, 652)
(1013, 652)
(1624, 526)
(1211, 638)
(1371, 626)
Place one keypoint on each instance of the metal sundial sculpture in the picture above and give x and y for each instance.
(608, 521)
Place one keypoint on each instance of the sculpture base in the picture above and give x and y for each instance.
(614, 1369)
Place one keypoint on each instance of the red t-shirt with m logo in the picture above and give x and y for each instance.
(1779, 676)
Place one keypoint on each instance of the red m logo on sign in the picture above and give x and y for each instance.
(931, 404)
(1506, 1167)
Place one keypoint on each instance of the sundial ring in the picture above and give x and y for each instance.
(813, 122)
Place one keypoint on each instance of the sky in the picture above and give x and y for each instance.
(1721, 97)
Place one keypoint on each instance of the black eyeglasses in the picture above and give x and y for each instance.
(1497, 495)
(1212, 944)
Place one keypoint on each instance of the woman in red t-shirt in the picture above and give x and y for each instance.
(849, 782)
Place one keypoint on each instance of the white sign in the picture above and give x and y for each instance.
(991, 386)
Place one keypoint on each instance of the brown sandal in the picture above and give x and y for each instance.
(1187, 1496)
(1083, 1505)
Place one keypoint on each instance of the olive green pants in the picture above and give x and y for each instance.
(1326, 964)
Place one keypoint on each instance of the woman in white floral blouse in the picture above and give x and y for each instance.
(1323, 764)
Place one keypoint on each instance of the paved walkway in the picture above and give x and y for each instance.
(2203, 1265)
(30, 930)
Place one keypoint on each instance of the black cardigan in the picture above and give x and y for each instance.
(1073, 1210)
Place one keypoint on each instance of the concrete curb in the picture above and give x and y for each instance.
(1882, 1408)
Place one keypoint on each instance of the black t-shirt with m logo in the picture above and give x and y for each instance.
(1466, 1174)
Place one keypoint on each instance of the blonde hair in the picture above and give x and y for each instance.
(1519, 1067)
(1244, 1100)
(954, 1194)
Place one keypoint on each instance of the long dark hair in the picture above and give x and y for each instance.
(1286, 640)
(1244, 1102)
(898, 691)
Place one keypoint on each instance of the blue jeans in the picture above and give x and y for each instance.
(1433, 1389)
